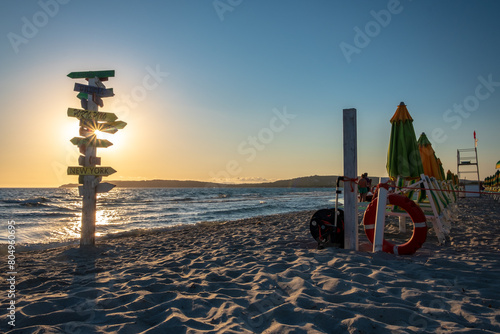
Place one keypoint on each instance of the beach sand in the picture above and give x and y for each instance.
(264, 275)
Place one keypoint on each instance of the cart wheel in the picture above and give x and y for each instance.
(323, 229)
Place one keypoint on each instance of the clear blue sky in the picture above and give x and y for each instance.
(233, 66)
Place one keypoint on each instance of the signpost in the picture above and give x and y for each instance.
(109, 127)
(93, 90)
(92, 115)
(100, 188)
(92, 74)
(92, 140)
(96, 171)
(97, 100)
(91, 120)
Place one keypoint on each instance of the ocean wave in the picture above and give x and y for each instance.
(181, 199)
(27, 202)
(41, 215)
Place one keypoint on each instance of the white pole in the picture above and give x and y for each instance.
(350, 171)
(89, 200)
(402, 224)
(378, 239)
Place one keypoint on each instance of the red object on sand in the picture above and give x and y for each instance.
(417, 216)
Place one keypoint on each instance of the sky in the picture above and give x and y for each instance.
(241, 91)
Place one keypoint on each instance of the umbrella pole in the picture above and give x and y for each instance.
(402, 219)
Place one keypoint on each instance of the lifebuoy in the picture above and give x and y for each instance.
(417, 216)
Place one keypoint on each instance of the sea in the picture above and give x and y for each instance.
(51, 217)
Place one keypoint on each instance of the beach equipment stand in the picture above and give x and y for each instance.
(467, 163)
(327, 225)
(434, 208)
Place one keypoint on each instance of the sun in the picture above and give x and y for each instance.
(104, 134)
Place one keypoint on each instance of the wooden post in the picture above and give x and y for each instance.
(350, 171)
(378, 238)
(89, 200)
(90, 120)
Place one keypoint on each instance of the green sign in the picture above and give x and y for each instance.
(118, 124)
(92, 74)
(111, 127)
(95, 115)
(82, 96)
(97, 171)
(91, 141)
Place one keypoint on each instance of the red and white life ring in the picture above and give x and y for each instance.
(417, 217)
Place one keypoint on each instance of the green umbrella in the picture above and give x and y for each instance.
(403, 156)
(498, 164)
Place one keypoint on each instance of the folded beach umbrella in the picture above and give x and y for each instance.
(403, 156)
(451, 177)
(441, 169)
(491, 180)
(498, 165)
(497, 179)
(429, 160)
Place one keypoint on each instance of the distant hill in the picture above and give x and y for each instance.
(300, 182)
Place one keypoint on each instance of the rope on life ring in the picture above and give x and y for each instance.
(417, 216)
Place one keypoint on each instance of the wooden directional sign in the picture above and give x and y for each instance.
(109, 127)
(92, 74)
(100, 188)
(91, 141)
(97, 171)
(95, 160)
(82, 96)
(92, 160)
(104, 187)
(98, 83)
(79, 141)
(118, 124)
(94, 90)
(97, 100)
(95, 115)
(96, 181)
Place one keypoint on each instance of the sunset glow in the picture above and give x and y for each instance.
(200, 94)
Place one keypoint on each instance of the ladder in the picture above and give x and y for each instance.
(467, 163)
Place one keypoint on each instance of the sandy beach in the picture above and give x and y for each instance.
(264, 275)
